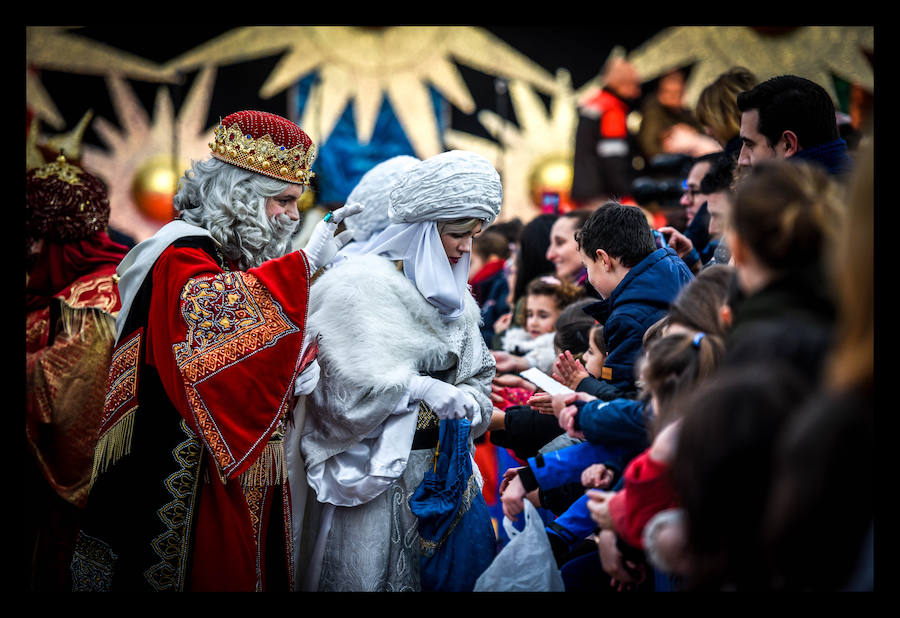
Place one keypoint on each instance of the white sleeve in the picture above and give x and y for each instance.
(368, 467)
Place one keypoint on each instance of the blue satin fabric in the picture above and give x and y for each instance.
(342, 159)
(454, 523)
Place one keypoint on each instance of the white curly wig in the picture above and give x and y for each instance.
(230, 203)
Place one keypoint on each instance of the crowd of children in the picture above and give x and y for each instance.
(670, 458)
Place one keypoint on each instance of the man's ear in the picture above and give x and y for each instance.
(791, 143)
(603, 257)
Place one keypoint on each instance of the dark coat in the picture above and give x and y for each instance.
(789, 320)
(640, 300)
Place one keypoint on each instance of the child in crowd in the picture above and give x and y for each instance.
(487, 276)
(637, 282)
(721, 468)
(510, 390)
(531, 343)
(702, 303)
(673, 366)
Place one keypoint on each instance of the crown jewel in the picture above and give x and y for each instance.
(267, 144)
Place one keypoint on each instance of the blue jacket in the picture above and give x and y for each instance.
(617, 423)
(640, 300)
(565, 465)
(616, 433)
(830, 155)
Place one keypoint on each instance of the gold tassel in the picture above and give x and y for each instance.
(113, 445)
(269, 469)
(74, 321)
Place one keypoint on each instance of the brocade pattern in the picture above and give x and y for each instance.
(230, 316)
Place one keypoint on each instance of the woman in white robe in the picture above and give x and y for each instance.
(399, 349)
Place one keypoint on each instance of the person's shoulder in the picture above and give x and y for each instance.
(190, 254)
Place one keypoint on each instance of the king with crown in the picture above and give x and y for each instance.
(189, 488)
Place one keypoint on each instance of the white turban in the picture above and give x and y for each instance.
(452, 185)
(374, 191)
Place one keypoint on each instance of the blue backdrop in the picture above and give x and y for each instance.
(342, 160)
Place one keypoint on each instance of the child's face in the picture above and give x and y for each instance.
(540, 314)
(593, 357)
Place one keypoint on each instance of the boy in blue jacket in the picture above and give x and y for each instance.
(636, 280)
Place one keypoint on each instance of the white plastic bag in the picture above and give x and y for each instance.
(526, 563)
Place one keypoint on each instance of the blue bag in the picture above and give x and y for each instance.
(457, 536)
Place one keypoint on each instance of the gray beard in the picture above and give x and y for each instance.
(262, 244)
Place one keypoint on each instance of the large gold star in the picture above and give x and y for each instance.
(58, 49)
(540, 139)
(178, 140)
(813, 52)
(363, 65)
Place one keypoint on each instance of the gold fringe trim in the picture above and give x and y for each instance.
(74, 320)
(113, 445)
(270, 469)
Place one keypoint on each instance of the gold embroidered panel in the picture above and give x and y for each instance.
(122, 384)
(230, 317)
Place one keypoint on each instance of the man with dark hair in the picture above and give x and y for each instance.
(716, 185)
(637, 282)
(694, 201)
(789, 116)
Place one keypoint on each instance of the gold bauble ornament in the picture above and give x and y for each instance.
(552, 174)
(155, 184)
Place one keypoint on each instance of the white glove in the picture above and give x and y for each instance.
(307, 380)
(323, 245)
(446, 400)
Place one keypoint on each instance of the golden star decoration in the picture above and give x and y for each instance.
(55, 48)
(541, 138)
(363, 65)
(813, 52)
(69, 143)
(142, 142)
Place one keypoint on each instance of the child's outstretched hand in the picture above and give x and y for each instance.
(598, 505)
(503, 323)
(509, 363)
(597, 476)
(566, 418)
(569, 371)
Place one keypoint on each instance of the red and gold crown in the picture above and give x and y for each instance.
(266, 144)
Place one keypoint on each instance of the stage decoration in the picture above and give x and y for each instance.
(363, 65)
(817, 53)
(135, 154)
(536, 155)
(54, 48)
(154, 186)
(41, 149)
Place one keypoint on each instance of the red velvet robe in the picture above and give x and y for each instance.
(227, 348)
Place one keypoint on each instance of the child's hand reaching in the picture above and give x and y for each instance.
(545, 403)
(566, 418)
(598, 505)
(569, 371)
(509, 363)
(597, 476)
(503, 323)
